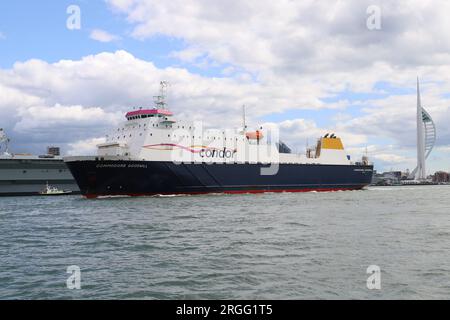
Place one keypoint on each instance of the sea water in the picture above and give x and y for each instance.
(265, 246)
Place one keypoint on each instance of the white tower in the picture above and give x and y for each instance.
(426, 138)
(421, 172)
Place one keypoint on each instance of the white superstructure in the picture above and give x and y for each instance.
(156, 135)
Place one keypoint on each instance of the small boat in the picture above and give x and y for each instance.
(53, 191)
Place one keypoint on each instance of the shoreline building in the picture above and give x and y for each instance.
(426, 138)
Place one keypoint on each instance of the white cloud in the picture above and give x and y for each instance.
(298, 38)
(103, 36)
(444, 148)
(188, 55)
(392, 158)
(2, 36)
(85, 147)
(44, 118)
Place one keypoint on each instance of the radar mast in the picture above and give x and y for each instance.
(160, 100)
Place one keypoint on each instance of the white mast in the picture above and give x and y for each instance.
(421, 172)
(160, 101)
(244, 124)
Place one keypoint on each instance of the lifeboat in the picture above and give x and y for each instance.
(255, 135)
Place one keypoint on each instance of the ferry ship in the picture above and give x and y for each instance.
(26, 174)
(155, 153)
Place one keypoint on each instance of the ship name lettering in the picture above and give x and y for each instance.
(143, 166)
(213, 153)
(111, 165)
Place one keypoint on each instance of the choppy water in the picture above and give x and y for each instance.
(280, 246)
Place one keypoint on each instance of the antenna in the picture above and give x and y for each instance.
(160, 100)
(307, 147)
(244, 125)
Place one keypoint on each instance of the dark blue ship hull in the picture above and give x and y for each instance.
(137, 178)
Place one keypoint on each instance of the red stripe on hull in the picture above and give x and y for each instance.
(93, 196)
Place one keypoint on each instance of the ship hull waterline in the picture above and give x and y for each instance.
(97, 178)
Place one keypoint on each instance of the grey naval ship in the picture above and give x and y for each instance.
(27, 174)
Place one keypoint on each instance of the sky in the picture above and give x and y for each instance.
(308, 67)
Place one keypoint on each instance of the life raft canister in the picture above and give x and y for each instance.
(255, 135)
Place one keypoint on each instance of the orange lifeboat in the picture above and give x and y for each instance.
(255, 135)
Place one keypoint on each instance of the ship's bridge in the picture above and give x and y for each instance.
(148, 113)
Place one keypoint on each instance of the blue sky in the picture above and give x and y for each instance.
(347, 81)
(37, 30)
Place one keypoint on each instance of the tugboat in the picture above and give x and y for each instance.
(53, 191)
